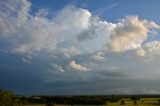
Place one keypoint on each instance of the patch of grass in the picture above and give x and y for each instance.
(146, 102)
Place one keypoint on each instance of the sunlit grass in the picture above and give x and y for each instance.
(128, 102)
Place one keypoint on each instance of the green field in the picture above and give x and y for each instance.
(128, 102)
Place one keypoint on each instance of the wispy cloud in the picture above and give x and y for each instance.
(102, 11)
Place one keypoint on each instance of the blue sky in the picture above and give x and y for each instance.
(66, 47)
(110, 10)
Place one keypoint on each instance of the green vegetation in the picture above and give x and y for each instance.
(9, 99)
(5, 98)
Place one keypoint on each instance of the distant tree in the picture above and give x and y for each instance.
(23, 100)
(135, 102)
(122, 102)
(16, 101)
(135, 98)
(113, 98)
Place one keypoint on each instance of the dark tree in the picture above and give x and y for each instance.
(122, 102)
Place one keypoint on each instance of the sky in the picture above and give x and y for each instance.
(80, 47)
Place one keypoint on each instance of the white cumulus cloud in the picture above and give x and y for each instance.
(77, 66)
(130, 33)
(99, 56)
(149, 49)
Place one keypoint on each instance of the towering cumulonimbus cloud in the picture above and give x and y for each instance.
(130, 33)
(27, 33)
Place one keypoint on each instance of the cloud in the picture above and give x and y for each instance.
(13, 14)
(101, 11)
(149, 49)
(22, 49)
(78, 67)
(95, 29)
(113, 67)
(24, 32)
(4, 50)
(130, 33)
(135, 90)
(141, 52)
(57, 67)
(26, 60)
(61, 69)
(99, 56)
(57, 45)
(71, 51)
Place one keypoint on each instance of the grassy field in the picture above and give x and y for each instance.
(128, 102)
(146, 102)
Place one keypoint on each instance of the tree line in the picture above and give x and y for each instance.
(7, 98)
